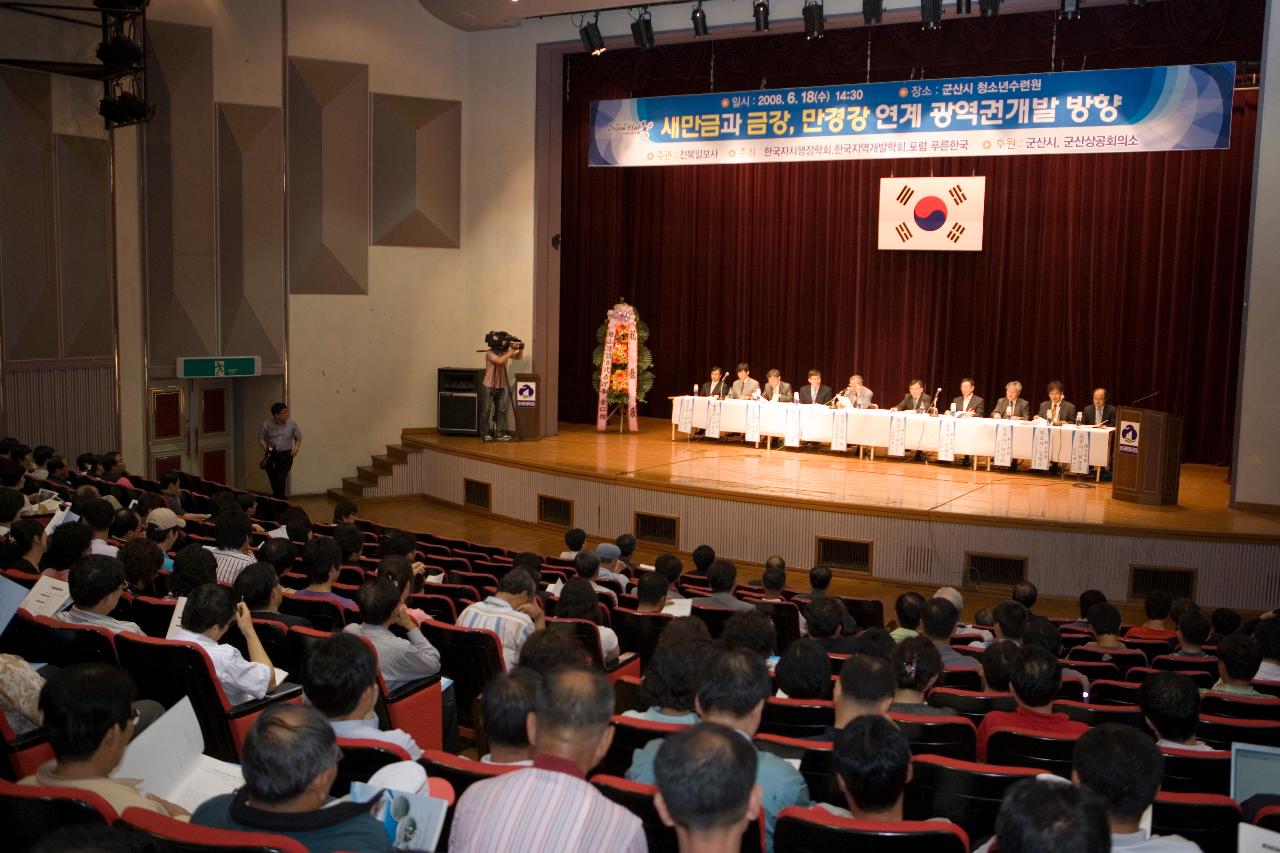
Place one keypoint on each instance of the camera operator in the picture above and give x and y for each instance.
(502, 348)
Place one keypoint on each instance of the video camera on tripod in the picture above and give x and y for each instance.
(502, 342)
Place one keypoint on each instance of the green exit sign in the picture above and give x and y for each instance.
(217, 367)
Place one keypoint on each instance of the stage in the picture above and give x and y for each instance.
(914, 522)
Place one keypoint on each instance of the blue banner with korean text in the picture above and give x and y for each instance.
(1168, 108)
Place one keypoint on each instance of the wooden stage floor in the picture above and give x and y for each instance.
(825, 480)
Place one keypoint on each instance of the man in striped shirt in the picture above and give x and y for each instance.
(550, 806)
(231, 537)
(512, 613)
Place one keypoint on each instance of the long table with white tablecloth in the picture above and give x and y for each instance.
(798, 423)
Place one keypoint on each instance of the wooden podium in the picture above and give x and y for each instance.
(524, 397)
(1148, 456)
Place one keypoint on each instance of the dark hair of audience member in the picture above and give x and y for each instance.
(651, 588)
(1158, 604)
(142, 560)
(1225, 621)
(984, 617)
(867, 680)
(280, 553)
(255, 584)
(231, 529)
(873, 760)
(684, 629)
(296, 523)
(12, 503)
(549, 649)
(1104, 618)
(626, 543)
(193, 566)
(917, 664)
(93, 578)
(1088, 598)
(22, 537)
(1038, 815)
(320, 557)
(1195, 627)
(378, 600)
(1035, 676)
(751, 629)
(996, 660)
(508, 699)
(81, 704)
(1120, 764)
(874, 641)
(123, 523)
(734, 682)
(248, 503)
(56, 466)
(703, 557)
(517, 583)
(705, 774)
(1240, 655)
(804, 672)
(397, 543)
(907, 608)
(722, 576)
(285, 750)
(1267, 635)
(586, 564)
(208, 606)
(344, 511)
(578, 600)
(820, 577)
(573, 699)
(1179, 607)
(146, 502)
(336, 672)
(825, 617)
(97, 513)
(1025, 593)
(350, 541)
(575, 539)
(938, 618)
(775, 575)
(67, 543)
(671, 678)
(1043, 633)
(1011, 617)
(42, 454)
(669, 566)
(1171, 701)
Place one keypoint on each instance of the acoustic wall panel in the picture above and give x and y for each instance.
(84, 253)
(251, 233)
(72, 408)
(328, 168)
(181, 298)
(417, 165)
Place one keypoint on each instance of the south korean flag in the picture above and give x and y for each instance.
(932, 214)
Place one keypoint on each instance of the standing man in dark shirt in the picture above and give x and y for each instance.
(502, 348)
(281, 440)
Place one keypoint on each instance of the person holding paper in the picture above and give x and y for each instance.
(400, 660)
(96, 584)
(856, 395)
(340, 680)
(89, 721)
(206, 619)
(290, 759)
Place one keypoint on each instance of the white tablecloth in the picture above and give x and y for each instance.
(870, 427)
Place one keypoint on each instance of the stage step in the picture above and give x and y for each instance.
(381, 465)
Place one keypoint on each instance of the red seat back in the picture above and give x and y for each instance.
(965, 792)
(29, 812)
(180, 836)
(815, 829)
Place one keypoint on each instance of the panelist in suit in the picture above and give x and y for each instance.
(968, 404)
(775, 390)
(1011, 405)
(1056, 410)
(745, 388)
(1100, 413)
(815, 391)
(916, 398)
(718, 386)
(856, 395)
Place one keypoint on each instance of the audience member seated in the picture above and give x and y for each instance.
(819, 581)
(1122, 766)
(684, 629)
(707, 789)
(1239, 658)
(653, 592)
(1026, 594)
(671, 680)
(917, 666)
(1170, 701)
(1010, 620)
(290, 759)
(399, 571)
(996, 660)
(125, 525)
(753, 630)
(732, 692)
(193, 566)
(321, 560)
(399, 543)
(826, 620)
(1088, 598)
(345, 512)
(587, 565)
(804, 672)
(1104, 619)
(96, 584)
(722, 577)
(1043, 633)
(1194, 629)
(89, 720)
(578, 600)
(907, 608)
(98, 514)
(573, 542)
(508, 699)
(27, 543)
(340, 680)
(142, 560)
(670, 567)
(295, 526)
(953, 595)
(231, 533)
(1225, 622)
(1268, 636)
(67, 544)
(874, 641)
(703, 557)
(866, 686)
(530, 563)
(113, 469)
(512, 613)
(282, 554)
(546, 651)
(400, 660)
(1157, 606)
(171, 493)
(1044, 814)
(350, 543)
(164, 529)
(938, 619)
(259, 587)
(206, 619)
(873, 766)
(550, 806)
(609, 555)
(626, 543)
(1034, 677)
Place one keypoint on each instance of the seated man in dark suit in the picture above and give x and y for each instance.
(968, 404)
(826, 622)
(1100, 412)
(1011, 405)
(722, 577)
(1057, 410)
(815, 391)
(775, 390)
(916, 399)
(259, 587)
(718, 387)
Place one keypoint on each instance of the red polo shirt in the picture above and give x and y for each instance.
(1031, 722)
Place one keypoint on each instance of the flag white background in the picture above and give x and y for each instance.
(932, 214)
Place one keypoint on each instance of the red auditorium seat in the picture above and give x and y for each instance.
(1242, 707)
(323, 614)
(1107, 692)
(179, 836)
(23, 754)
(815, 830)
(1194, 771)
(587, 633)
(1180, 663)
(816, 764)
(29, 812)
(961, 679)
(967, 793)
(639, 632)
(439, 607)
(630, 734)
(153, 615)
(1010, 747)
(797, 718)
(1209, 820)
(1092, 715)
(954, 737)
(470, 656)
(714, 617)
(972, 705)
(1221, 732)
(638, 799)
(1268, 818)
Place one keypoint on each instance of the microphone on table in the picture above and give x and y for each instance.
(934, 403)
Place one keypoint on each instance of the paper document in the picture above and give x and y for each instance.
(168, 760)
(412, 821)
(47, 597)
(12, 595)
(175, 621)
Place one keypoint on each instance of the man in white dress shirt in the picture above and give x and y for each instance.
(207, 617)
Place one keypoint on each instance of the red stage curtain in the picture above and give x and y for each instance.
(1121, 270)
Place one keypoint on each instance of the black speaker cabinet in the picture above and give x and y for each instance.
(460, 402)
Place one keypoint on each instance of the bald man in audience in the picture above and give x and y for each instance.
(707, 790)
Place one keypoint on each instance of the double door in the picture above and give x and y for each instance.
(190, 428)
